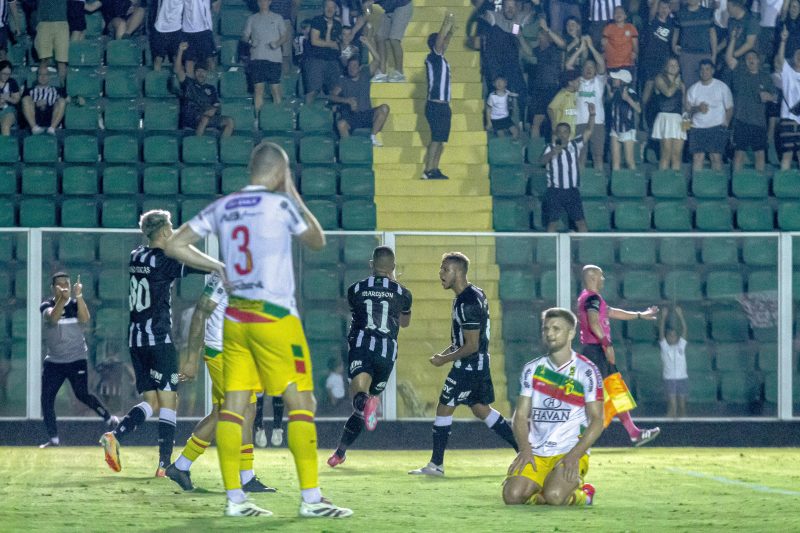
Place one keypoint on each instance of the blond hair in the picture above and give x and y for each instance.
(152, 221)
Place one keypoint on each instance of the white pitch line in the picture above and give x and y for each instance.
(728, 481)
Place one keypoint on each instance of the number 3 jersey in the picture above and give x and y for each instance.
(376, 304)
(254, 227)
(558, 399)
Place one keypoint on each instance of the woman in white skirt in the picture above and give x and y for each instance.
(670, 101)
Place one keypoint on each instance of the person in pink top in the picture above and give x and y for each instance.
(593, 316)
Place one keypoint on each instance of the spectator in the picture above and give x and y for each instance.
(624, 107)
(437, 106)
(656, 44)
(572, 42)
(166, 34)
(694, 40)
(544, 84)
(348, 48)
(321, 59)
(563, 108)
(752, 89)
(396, 17)
(76, 17)
(498, 110)
(52, 35)
(334, 383)
(300, 44)
(742, 32)
(5, 30)
(562, 12)
(353, 92)
(669, 103)
(197, 28)
(563, 176)
(768, 11)
(601, 13)
(673, 358)
(791, 23)
(200, 107)
(284, 9)
(711, 105)
(10, 96)
(123, 17)
(789, 130)
(266, 33)
(591, 90)
(43, 105)
(620, 42)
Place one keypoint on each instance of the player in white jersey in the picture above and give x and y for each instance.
(263, 338)
(559, 415)
(205, 336)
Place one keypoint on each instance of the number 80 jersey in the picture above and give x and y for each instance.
(376, 304)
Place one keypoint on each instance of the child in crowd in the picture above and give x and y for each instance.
(624, 106)
(620, 42)
(673, 357)
(498, 110)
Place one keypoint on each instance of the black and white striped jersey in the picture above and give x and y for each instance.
(376, 304)
(471, 312)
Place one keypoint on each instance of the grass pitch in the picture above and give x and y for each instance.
(647, 489)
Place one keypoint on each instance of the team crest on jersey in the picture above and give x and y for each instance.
(244, 201)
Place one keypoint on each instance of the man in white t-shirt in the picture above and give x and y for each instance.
(673, 357)
(334, 383)
(591, 90)
(789, 82)
(711, 105)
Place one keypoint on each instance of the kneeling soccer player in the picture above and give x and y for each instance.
(559, 415)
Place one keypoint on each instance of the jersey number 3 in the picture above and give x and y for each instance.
(243, 247)
(139, 298)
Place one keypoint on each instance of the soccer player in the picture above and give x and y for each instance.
(380, 307)
(153, 355)
(65, 315)
(265, 347)
(469, 381)
(593, 314)
(559, 416)
(276, 436)
(205, 335)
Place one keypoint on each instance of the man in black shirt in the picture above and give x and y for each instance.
(200, 106)
(469, 381)
(153, 355)
(437, 107)
(321, 59)
(380, 307)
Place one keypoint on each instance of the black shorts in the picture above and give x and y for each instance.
(358, 119)
(319, 74)
(438, 115)
(361, 360)
(165, 44)
(595, 354)
(502, 124)
(4, 38)
(44, 116)
(191, 121)
(462, 387)
(559, 201)
(155, 367)
(115, 9)
(749, 137)
(789, 135)
(712, 140)
(263, 71)
(76, 16)
(201, 46)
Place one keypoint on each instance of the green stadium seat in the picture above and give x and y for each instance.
(160, 149)
(191, 206)
(357, 181)
(86, 53)
(198, 180)
(535, 149)
(8, 179)
(713, 216)
(755, 216)
(290, 83)
(123, 149)
(160, 180)
(229, 53)
(762, 281)
(546, 251)
(729, 326)
(40, 149)
(789, 216)
(595, 251)
(646, 357)
(77, 247)
(19, 322)
(517, 285)
(505, 151)
(722, 251)
(735, 358)
(318, 181)
(94, 25)
(37, 213)
(739, 387)
(159, 202)
(122, 115)
(594, 184)
(199, 150)
(355, 150)
(768, 357)
(112, 248)
(79, 213)
(357, 249)
(5, 292)
(321, 284)
(242, 112)
(749, 183)
(317, 150)
(315, 118)
(668, 184)
(160, 115)
(16, 53)
(157, 84)
(233, 21)
(80, 149)
(537, 178)
(675, 251)
(672, 216)
(233, 84)
(637, 252)
(119, 213)
(112, 323)
(760, 252)
(122, 83)
(683, 286)
(698, 359)
(78, 117)
(234, 179)
(628, 184)
(509, 181)
(548, 286)
(190, 287)
(641, 285)
(321, 324)
(703, 388)
(598, 217)
(722, 284)
(276, 118)
(359, 215)
(515, 251)
(9, 149)
(510, 214)
(86, 82)
(641, 331)
(287, 143)
(121, 180)
(328, 256)
(123, 53)
(710, 184)
(236, 150)
(39, 181)
(771, 386)
(326, 213)
(631, 216)
(786, 184)
(520, 323)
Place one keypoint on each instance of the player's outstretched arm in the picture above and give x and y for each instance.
(651, 313)
(520, 429)
(179, 247)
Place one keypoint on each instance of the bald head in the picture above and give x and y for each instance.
(592, 277)
(269, 165)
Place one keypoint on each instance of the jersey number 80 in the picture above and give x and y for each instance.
(139, 297)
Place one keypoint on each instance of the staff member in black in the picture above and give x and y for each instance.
(64, 317)
(437, 108)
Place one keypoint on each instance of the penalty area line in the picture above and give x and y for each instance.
(735, 482)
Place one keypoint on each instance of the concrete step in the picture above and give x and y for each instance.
(389, 155)
(456, 5)
(482, 257)
(423, 28)
(417, 122)
(413, 171)
(456, 58)
(398, 221)
(424, 204)
(470, 90)
(417, 105)
(414, 138)
(386, 186)
(416, 74)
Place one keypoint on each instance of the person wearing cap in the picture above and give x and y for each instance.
(563, 109)
(711, 105)
(624, 107)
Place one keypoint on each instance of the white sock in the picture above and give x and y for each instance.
(183, 463)
(246, 476)
(311, 495)
(55, 440)
(236, 495)
(493, 417)
(372, 136)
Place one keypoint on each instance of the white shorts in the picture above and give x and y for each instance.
(625, 136)
(668, 126)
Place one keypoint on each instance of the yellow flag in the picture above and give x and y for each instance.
(616, 397)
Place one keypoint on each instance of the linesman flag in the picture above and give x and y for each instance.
(616, 396)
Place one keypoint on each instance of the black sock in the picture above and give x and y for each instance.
(277, 412)
(258, 423)
(166, 441)
(440, 436)
(132, 420)
(502, 428)
(359, 401)
(101, 411)
(352, 429)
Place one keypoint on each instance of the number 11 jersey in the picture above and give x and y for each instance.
(376, 304)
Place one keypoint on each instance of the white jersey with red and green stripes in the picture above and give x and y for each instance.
(215, 291)
(558, 398)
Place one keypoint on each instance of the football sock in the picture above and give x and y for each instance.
(246, 475)
(98, 408)
(166, 435)
(630, 427)
(258, 423)
(311, 495)
(229, 444)
(360, 401)
(55, 440)
(302, 436)
(441, 432)
(536, 499)
(195, 447)
(352, 429)
(135, 417)
(277, 412)
(246, 457)
(578, 497)
(499, 425)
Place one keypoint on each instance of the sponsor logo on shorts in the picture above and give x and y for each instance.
(450, 380)
(380, 386)
(448, 389)
(355, 365)
(462, 396)
(156, 375)
(173, 379)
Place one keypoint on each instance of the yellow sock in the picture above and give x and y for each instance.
(536, 499)
(194, 448)
(302, 436)
(578, 497)
(229, 444)
(246, 457)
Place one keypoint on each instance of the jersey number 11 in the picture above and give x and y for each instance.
(383, 319)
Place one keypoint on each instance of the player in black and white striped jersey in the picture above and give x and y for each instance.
(380, 307)
(43, 105)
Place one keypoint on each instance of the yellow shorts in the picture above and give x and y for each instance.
(545, 465)
(214, 359)
(265, 348)
(52, 40)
